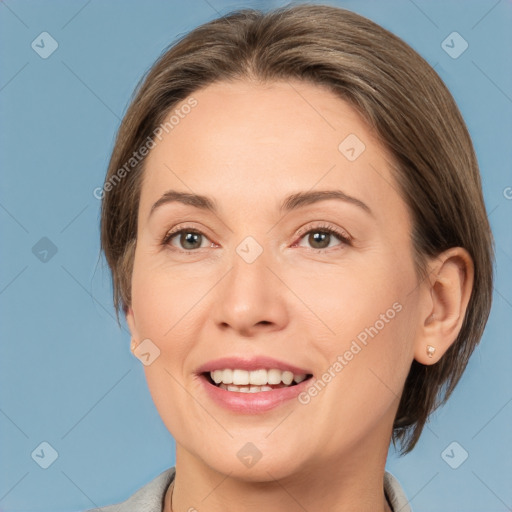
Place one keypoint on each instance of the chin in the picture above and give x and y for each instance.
(249, 464)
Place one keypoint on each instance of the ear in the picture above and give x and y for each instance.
(130, 320)
(446, 299)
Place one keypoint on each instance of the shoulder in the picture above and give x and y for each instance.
(395, 494)
(149, 498)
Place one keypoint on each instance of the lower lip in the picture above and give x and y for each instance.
(252, 403)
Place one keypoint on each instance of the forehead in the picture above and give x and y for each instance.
(250, 143)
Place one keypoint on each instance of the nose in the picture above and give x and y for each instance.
(251, 297)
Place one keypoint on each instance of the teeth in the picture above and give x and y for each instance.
(246, 389)
(256, 378)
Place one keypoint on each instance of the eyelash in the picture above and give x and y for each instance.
(324, 228)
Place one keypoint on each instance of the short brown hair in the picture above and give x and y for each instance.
(392, 87)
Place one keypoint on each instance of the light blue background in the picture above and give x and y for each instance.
(67, 376)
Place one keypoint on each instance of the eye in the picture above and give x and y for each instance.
(320, 236)
(190, 239)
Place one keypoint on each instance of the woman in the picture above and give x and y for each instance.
(295, 226)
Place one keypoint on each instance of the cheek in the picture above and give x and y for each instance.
(351, 299)
(160, 304)
(168, 310)
(365, 373)
(156, 301)
(165, 384)
(370, 313)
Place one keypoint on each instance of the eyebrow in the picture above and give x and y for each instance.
(292, 202)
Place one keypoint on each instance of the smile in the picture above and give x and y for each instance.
(255, 381)
(256, 392)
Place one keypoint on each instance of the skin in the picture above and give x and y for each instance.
(249, 145)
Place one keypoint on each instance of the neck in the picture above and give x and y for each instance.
(329, 486)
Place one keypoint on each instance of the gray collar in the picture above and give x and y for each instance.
(150, 498)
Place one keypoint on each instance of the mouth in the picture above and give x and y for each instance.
(255, 381)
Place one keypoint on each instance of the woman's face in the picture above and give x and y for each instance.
(261, 276)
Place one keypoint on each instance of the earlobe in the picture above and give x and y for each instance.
(450, 291)
(431, 351)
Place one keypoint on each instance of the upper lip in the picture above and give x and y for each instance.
(250, 363)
